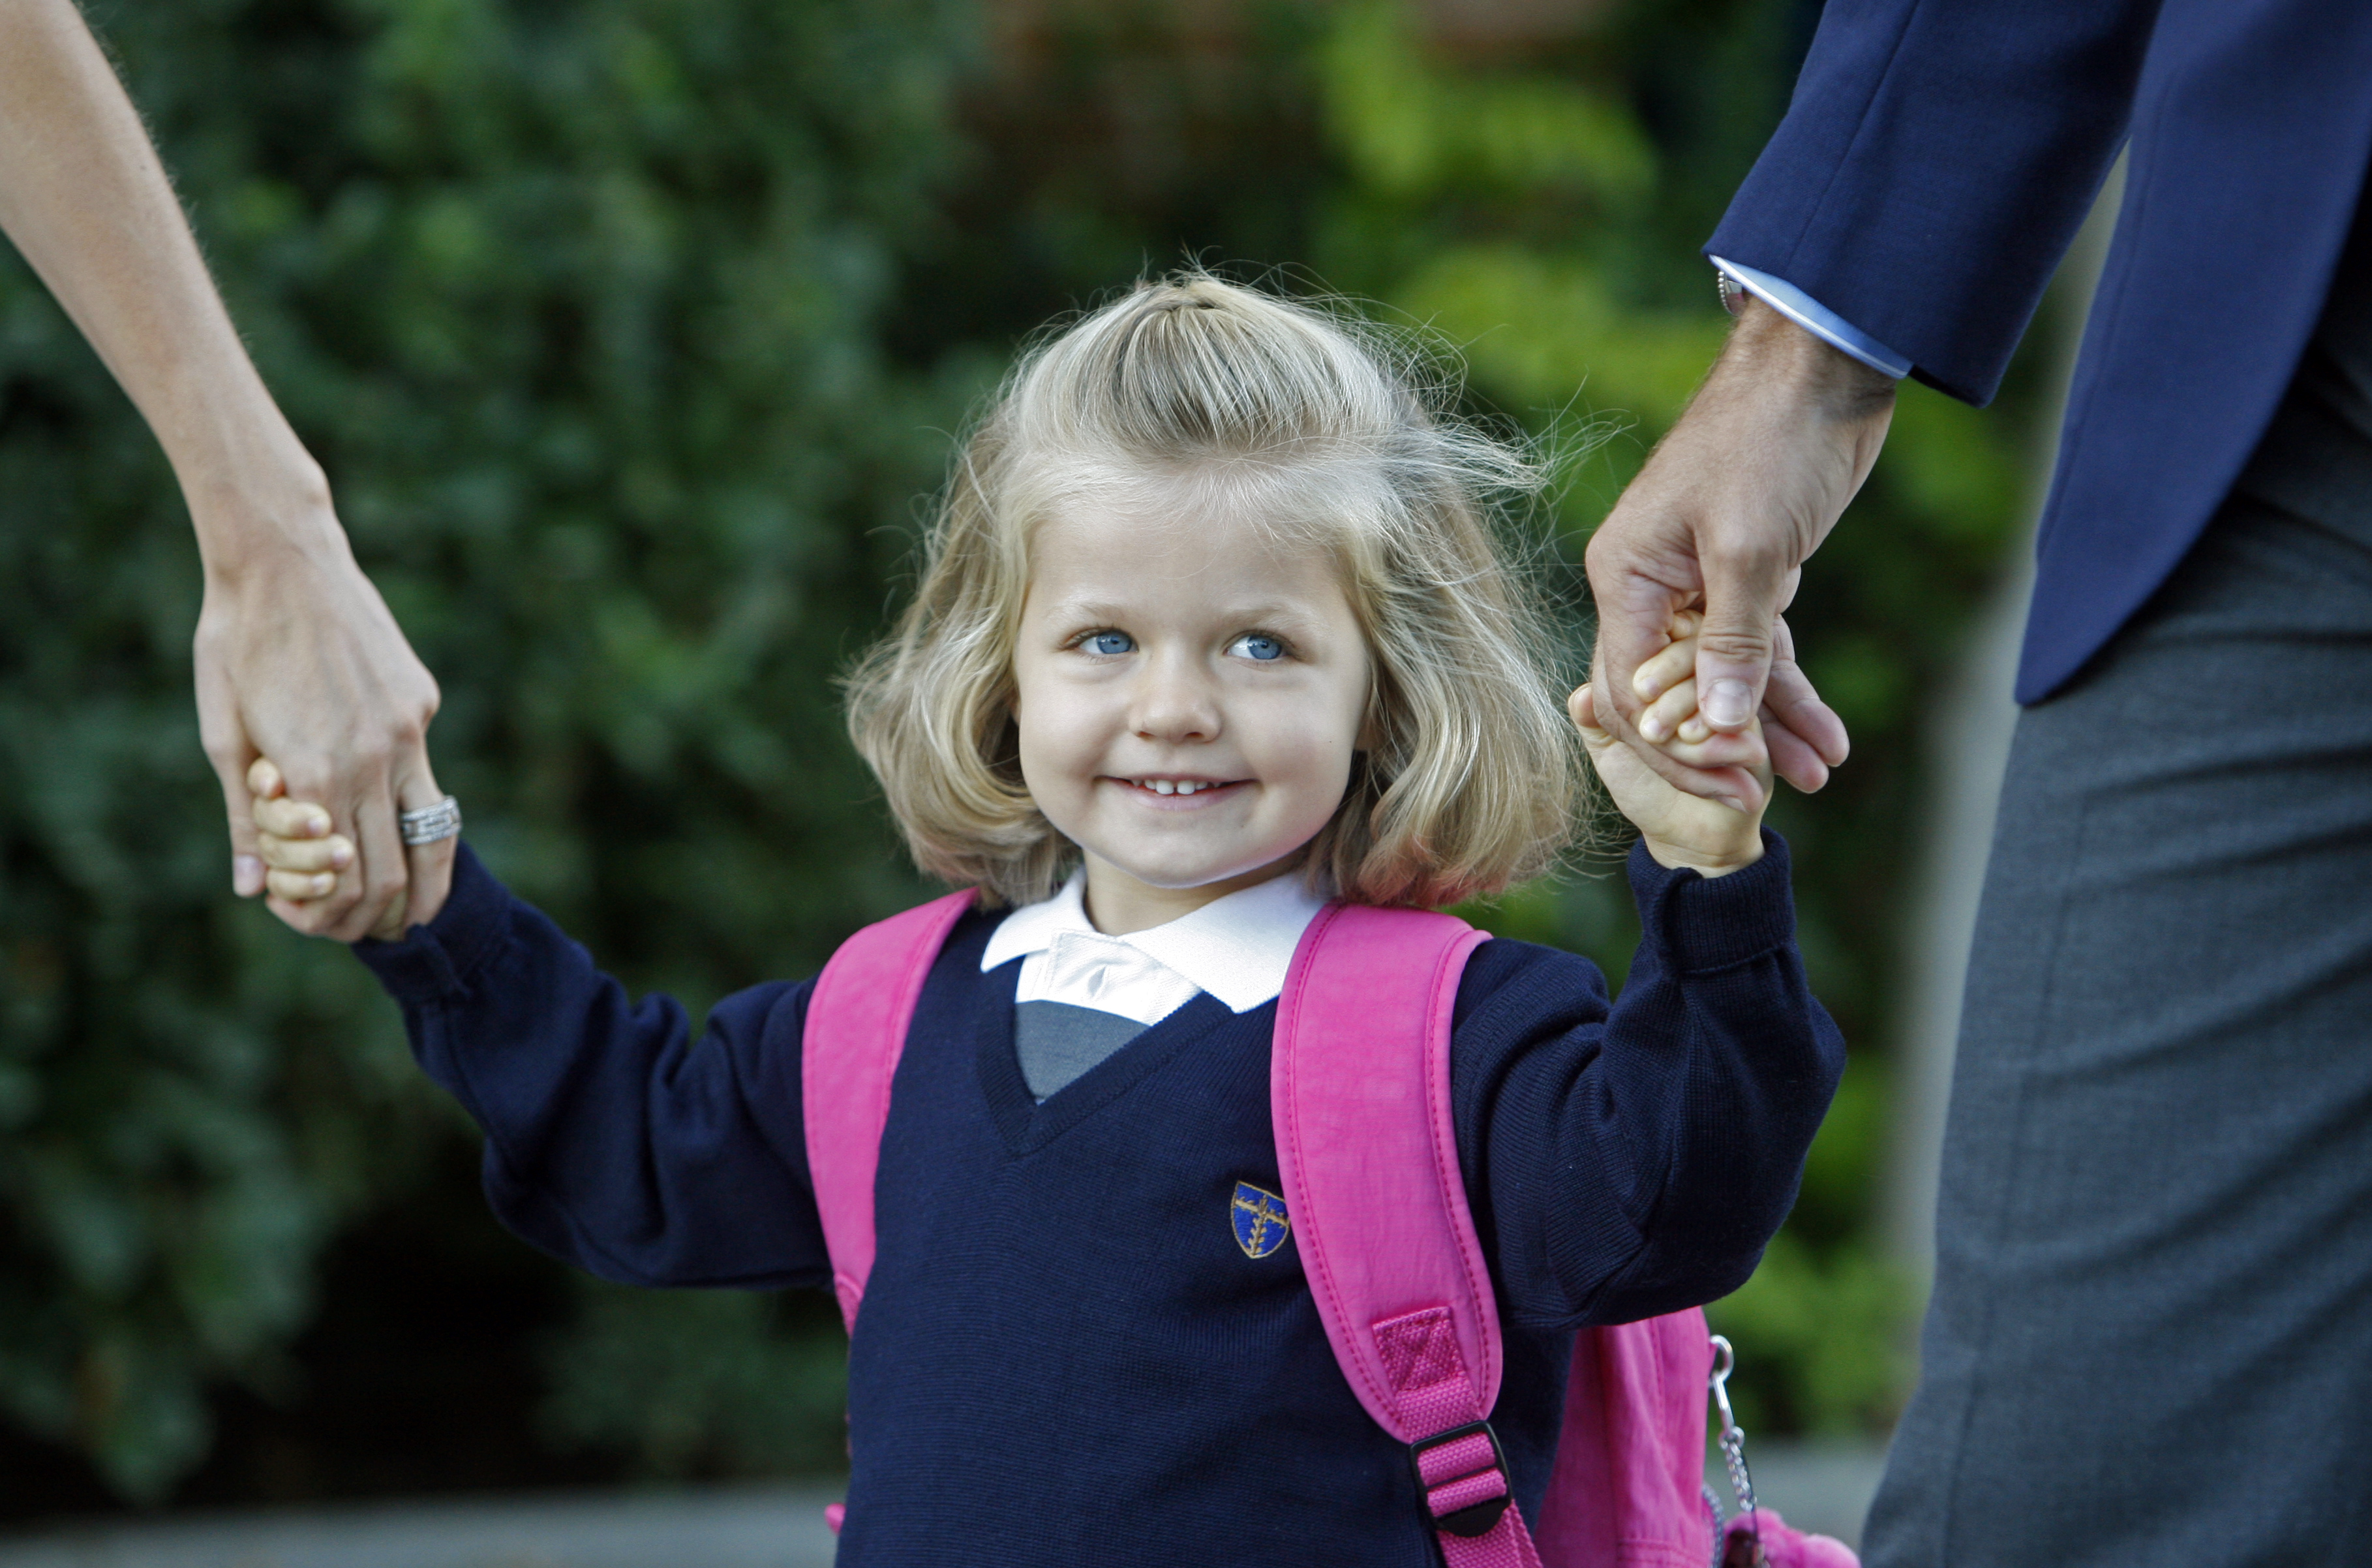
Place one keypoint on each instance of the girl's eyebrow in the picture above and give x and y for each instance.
(1271, 611)
(1079, 611)
(1085, 610)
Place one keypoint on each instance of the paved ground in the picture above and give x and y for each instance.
(768, 1528)
(1814, 1487)
(1824, 1490)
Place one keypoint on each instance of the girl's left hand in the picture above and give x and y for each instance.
(1680, 829)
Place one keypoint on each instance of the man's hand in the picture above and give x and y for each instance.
(302, 663)
(1734, 500)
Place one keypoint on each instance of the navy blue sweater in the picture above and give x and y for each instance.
(1065, 1357)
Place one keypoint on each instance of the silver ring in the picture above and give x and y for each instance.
(430, 823)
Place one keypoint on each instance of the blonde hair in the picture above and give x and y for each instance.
(1193, 390)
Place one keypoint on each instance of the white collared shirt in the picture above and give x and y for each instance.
(1236, 948)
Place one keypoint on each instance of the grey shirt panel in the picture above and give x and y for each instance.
(1057, 1042)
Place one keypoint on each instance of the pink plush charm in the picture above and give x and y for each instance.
(1781, 1546)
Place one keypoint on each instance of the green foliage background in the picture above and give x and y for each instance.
(629, 331)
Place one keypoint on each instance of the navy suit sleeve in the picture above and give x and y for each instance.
(614, 1141)
(1934, 163)
(1634, 1158)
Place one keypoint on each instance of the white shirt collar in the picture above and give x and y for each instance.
(1237, 948)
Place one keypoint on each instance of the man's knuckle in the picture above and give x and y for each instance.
(1737, 643)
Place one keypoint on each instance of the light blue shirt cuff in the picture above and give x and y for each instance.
(1816, 319)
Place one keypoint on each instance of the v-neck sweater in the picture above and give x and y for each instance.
(1066, 1355)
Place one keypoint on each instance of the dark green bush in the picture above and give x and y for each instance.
(581, 306)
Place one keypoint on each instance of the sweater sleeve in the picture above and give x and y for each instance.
(1632, 1158)
(614, 1140)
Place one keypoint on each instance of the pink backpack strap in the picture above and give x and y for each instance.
(1359, 1088)
(856, 1023)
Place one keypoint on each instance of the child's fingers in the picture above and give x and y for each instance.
(1595, 739)
(286, 819)
(299, 886)
(333, 854)
(263, 780)
(1719, 750)
(1677, 658)
(1656, 674)
(1663, 717)
(1583, 706)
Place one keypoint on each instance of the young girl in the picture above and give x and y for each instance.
(1212, 629)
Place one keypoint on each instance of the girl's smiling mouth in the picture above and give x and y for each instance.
(1176, 786)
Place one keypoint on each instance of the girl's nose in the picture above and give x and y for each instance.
(1174, 702)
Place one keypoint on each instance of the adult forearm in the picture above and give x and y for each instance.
(295, 657)
(86, 201)
(1766, 350)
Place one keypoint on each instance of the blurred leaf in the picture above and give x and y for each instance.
(701, 1382)
(1821, 1341)
(1410, 129)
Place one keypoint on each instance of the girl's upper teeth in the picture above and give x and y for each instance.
(1173, 786)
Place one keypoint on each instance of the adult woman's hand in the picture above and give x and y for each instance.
(297, 654)
(299, 661)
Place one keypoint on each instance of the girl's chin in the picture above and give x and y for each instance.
(1172, 875)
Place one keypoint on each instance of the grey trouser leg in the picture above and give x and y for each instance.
(2151, 1336)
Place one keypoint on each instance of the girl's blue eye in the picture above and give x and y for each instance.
(1254, 646)
(1111, 642)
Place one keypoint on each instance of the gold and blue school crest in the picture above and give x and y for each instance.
(1260, 1222)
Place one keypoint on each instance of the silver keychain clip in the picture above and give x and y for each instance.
(1743, 1551)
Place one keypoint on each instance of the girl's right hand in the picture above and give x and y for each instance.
(303, 859)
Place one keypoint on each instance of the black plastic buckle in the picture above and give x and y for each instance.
(1476, 1519)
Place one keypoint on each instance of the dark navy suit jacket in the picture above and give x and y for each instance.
(1938, 158)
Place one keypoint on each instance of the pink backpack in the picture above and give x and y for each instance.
(1369, 1163)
